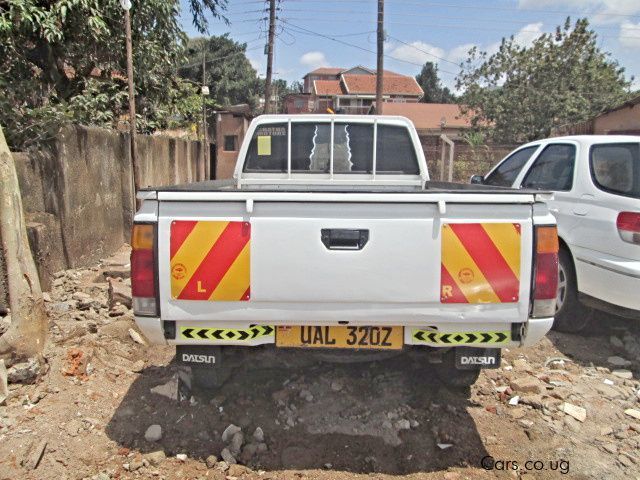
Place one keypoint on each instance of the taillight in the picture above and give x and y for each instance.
(143, 270)
(628, 224)
(545, 288)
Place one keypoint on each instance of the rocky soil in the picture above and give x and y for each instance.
(108, 406)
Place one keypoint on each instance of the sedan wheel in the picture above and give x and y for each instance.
(571, 316)
(562, 287)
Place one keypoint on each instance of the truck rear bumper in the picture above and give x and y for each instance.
(444, 335)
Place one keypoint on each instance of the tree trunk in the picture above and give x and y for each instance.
(26, 336)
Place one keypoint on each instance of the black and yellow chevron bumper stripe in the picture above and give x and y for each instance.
(461, 338)
(227, 334)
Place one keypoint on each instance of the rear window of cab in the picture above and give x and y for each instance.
(615, 168)
(312, 145)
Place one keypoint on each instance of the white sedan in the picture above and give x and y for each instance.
(596, 201)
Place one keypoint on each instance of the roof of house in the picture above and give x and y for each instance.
(327, 87)
(238, 110)
(392, 85)
(629, 103)
(325, 71)
(338, 70)
(430, 115)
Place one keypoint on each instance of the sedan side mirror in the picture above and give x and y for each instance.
(477, 180)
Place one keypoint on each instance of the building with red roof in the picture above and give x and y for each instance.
(350, 90)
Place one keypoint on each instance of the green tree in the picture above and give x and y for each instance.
(522, 92)
(434, 91)
(64, 61)
(229, 75)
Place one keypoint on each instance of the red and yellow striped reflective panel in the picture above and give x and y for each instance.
(210, 260)
(480, 263)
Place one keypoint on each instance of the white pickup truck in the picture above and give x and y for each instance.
(331, 236)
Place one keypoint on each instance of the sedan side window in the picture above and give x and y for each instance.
(553, 169)
(508, 170)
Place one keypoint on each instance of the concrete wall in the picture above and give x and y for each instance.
(625, 120)
(78, 192)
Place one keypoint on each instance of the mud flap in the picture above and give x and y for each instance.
(198, 356)
(471, 358)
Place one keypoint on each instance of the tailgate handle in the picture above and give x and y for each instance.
(344, 239)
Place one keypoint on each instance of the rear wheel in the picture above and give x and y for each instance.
(571, 316)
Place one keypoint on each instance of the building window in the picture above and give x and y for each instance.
(230, 143)
(323, 104)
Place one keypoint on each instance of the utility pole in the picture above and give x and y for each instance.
(272, 31)
(126, 5)
(380, 63)
(205, 92)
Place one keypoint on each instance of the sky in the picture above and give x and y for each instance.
(322, 33)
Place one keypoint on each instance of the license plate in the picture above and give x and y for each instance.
(370, 338)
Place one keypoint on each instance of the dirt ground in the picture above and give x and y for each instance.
(87, 414)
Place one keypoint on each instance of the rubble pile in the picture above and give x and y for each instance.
(106, 405)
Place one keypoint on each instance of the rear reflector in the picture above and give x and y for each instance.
(545, 288)
(143, 270)
(628, 224)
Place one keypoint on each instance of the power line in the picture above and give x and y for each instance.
(440, 25)
(355, 34)
(254, 20)
(423, 51)
(229, 55)
(337, 40)
(235, 35)
(529, 10)
(485, 7)
(432, 16)
(250, 2)
(243, 12)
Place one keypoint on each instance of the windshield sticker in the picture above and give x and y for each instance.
(272, 131)
(264, 145)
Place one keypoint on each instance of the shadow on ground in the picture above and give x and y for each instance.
(593, 346)
(250, 399)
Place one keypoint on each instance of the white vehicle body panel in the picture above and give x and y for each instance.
(377, 285)
(607, 268)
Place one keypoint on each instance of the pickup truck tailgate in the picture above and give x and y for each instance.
(366, 262)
